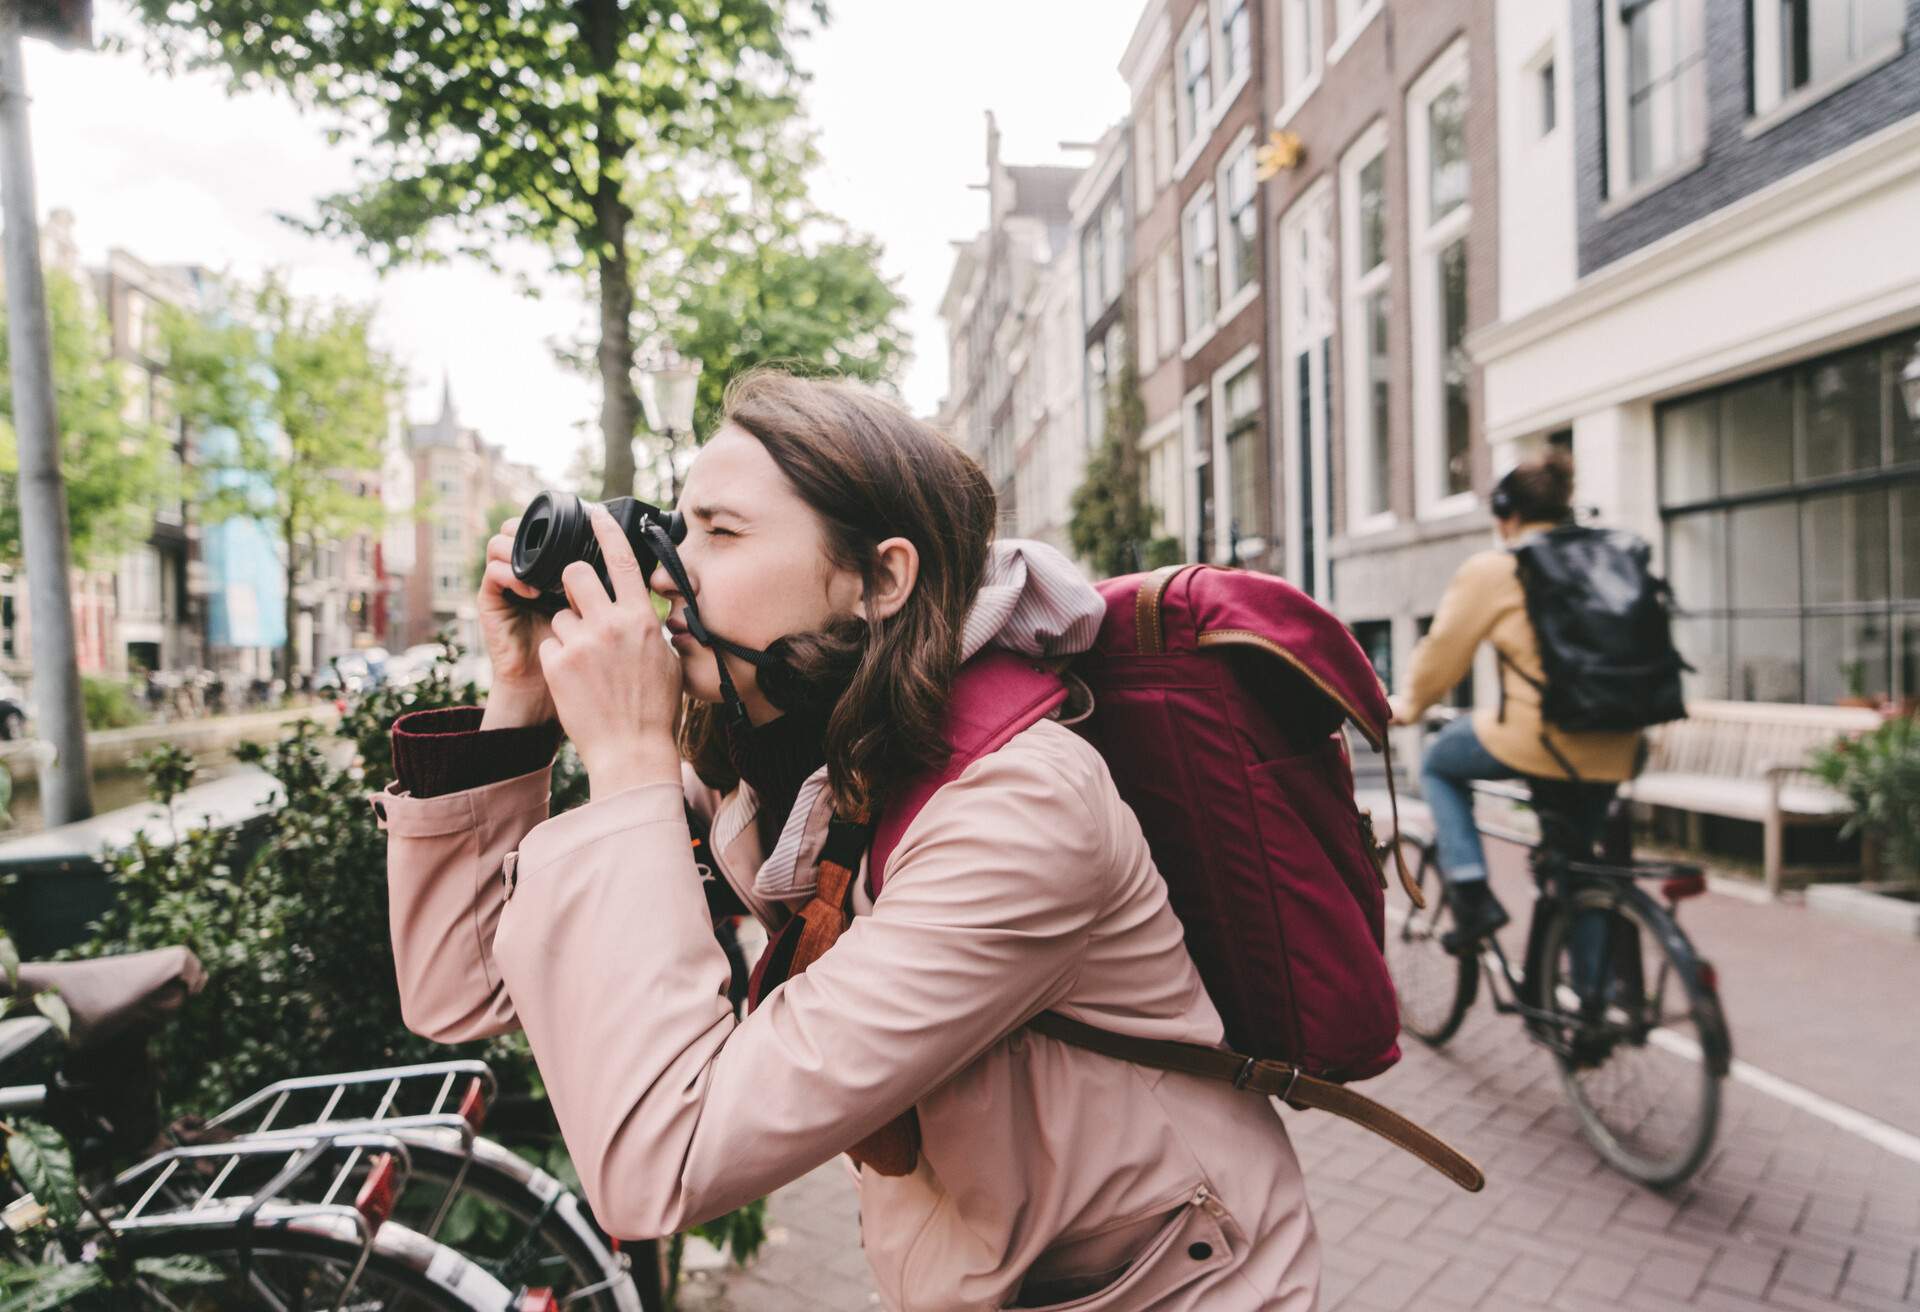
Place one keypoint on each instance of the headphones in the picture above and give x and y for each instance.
(1501, 502)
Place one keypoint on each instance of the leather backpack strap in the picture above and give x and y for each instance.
(1276, 1079)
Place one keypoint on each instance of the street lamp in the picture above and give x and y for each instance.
(668, 386)
(1910, 385)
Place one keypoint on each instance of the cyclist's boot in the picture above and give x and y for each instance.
(1476, 914)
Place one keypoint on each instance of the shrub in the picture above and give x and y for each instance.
(108, 703)
(1879, 773)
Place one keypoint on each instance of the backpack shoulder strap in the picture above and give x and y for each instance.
(994, 697)
(1276, 1079)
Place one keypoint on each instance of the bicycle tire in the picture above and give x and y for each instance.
(1605, 1038)
(288, 1242)
(1435, 988)
(532, 1197)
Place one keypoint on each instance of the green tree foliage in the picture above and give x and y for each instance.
(290, 397)
(1111, 527)
(573, 125)
(116, 470)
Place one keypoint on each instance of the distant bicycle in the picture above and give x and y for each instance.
(1610, 985)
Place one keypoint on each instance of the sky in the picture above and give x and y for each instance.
(173, 170)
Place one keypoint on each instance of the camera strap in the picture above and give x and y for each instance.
(668, 555)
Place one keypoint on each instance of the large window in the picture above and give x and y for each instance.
(1200, 247)
(1145, 307)
(1145, 188)
(1196, 79)
(1240, 267)
(1164, 134)
(1236, 41)
(1656, 89)
(1164, 475)
(1792, 508)
(1168, 266)
(1246, 457)
(1199, 434)
(1363, 200)
(1803, 47)
(1439, 185)
(1301, 48)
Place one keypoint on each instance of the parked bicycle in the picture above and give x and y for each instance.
(1609, 984)
(316, 1191)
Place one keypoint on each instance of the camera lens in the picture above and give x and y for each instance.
(553, 533)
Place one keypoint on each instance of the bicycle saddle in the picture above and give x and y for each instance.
(112, 995)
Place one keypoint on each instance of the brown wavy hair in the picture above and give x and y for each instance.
(870, 471)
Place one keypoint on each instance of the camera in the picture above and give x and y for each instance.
(555, 531)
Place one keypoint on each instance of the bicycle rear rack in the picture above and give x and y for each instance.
(463, 1088)
(172, 1197)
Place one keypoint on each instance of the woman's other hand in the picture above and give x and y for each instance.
(612, 677)
(513, 634)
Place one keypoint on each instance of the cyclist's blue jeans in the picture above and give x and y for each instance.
(1454, 758)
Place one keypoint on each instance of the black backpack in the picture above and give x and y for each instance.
(1603, 622)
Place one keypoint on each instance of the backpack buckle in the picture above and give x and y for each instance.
(1246, 1073)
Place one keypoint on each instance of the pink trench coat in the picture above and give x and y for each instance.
(1022, 886)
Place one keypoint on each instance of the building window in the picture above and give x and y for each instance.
(1352, 15)
(1547, 93)
(1200, 243)
(1164, 471)
(1812, 45)
(1092, 264)
(1164, 134)
(1096, 399)
(1145, 186)
(1196, 80)
(1363, 186)
(1113, 243)
(1236, 42)
(1792, 510)
(1145, 307)
(1169, 292)
(1199, 434)
(1656, 89)
(1376, 640)
(1439, 178)
(1301, 47)
(1246, 458)
(1240, 268)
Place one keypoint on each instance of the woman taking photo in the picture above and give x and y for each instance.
(842, 554)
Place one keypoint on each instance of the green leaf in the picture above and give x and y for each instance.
(179, 1270)
(43, 1165)
(59, 1287)
(10, 962)
(54, 1007)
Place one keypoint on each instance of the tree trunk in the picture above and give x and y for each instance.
(618, 404)
(291, 650)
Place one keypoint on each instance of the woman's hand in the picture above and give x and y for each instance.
(513, 635)
(610, 672)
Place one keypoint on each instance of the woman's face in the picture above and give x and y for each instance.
(756, 555)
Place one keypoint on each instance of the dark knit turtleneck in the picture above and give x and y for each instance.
(775, 758)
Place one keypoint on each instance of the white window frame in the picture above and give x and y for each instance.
(1773, 106)
(1622, 189)
(1247, 358)
(1305, 319)
(1351, 18)
(1191, 125)
(1547, 57)
(1171, 521)
(1359, 288)
(1190, 440)
(1195, 328)
(1230, 89)
(1426, 240)
(1234, 299)
(1300, 29)
(1142, 164)
(1165, 134)
(1172, 304)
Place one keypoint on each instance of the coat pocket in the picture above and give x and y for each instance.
(1191, 1245)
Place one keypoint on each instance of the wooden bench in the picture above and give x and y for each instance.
(1748, 761)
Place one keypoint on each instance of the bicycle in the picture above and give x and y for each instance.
(1609, 984)
(259, 1245)
(435, 1110)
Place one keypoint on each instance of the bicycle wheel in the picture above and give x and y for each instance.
(1435, 987)
(536, 1232)
(299, 1259)
(1640, 1041)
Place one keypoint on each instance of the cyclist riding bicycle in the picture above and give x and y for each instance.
(1513, 739)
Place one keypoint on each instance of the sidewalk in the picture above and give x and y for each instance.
(1792, 1211)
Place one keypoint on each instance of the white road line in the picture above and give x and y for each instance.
(1871, 1128)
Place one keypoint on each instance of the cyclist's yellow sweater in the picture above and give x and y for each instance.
(1485, 602)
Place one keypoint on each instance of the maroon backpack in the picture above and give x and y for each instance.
(1219, 701)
